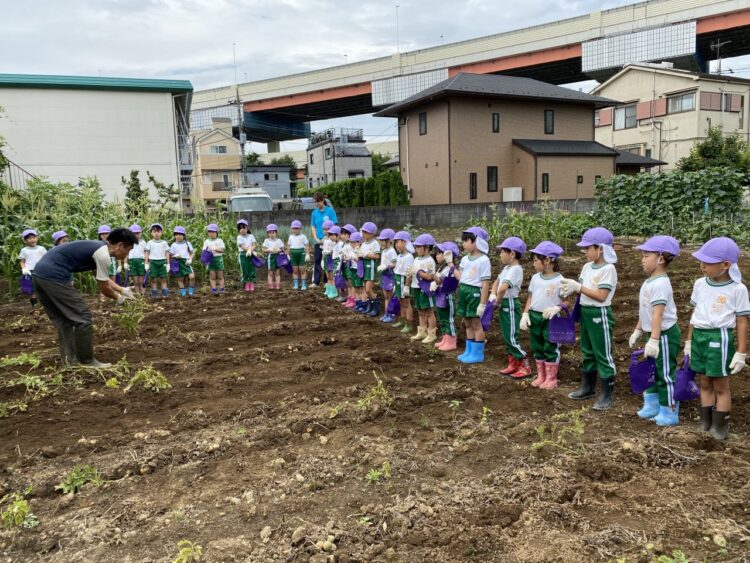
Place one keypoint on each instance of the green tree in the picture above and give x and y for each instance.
(253, 159)
(729, 151)
(378, 162)
(287, 160)
(136, 196)
(166, 194)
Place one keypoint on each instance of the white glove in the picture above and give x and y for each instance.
(738, 363)
(550, 312)
(448, 256)
(189, 261)
(525, 321)
(118, 270)
(120, 299)
(569, 287)
(25, 271)
(481, 308)
(686, 349)
(635, 337)
(405, 291)
(248, 253)
(307, 258)
(493, 297)
(433, 287)
(127, 293)
(126, 266)
(145, 267)
(381, 268)
(651, 349)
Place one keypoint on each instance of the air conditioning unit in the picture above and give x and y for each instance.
(513, 194)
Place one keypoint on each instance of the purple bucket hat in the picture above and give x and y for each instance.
(402, 235)
(356, 237)
(425, 239)
(57, 235)
(134, 228)
(103, 230)
(243, 222)
(212, 227)
(596, 236)
(717, 250)
(548, 249)
(271, 227)
(296, 224)
(449, 246)
(29, 232)
(386, 234)
(369, 227)
(180, 231)
(661, 243)
(478, 232)
(349, 228)
(513, 243)
(157, 226)
(327, 225)
(335, 230)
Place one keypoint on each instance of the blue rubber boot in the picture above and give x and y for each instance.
(154, 294)
(183, 292)
(359, 305)
(477, 354)
(304, 285)
(366, 307)
(375, 309)
(667, 416)
(295, 284)
(164, 293)
(467, 352)
(191, 290)
(650, 405)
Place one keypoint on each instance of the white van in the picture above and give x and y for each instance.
(249, 200)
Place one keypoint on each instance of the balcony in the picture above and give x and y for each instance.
(221, 187)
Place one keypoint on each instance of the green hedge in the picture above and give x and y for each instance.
(383, 190)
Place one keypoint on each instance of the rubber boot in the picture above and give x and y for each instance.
(421, 333)
(66, 338)
(191, 290)
(706, 416)
(389, 319)
(449, 343)
(332, 293)
(375, 309)
(84, 342)
(164, 293)
(667, 416)
(439, 343)
(183, 292)
(278, 285)
(154, 294)
(606, 391)
(550, 369)
(541, 374)
(303, 285)
(431, 336)
(350, 303)
(511, 367)
(523, 371)
(719, 425)
(295, 284)
(477, 354)
(358, 306)
(650, 406)
(406, 328)
(587, 388)
(467, 351)
(398, 324)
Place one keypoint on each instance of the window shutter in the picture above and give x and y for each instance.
(736, 104)
(660, 107)
(605, 117)
(643, 110)
(711, 101)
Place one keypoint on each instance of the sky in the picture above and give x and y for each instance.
(193, 39)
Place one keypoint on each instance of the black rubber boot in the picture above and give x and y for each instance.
(375, 309)
(587, 388)
(606, 392)
(706, 415)
(84, 340)
(66, 336)
(719, 425)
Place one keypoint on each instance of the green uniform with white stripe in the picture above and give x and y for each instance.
(597, 320)
(666, 365)
(541, 346)
(446, 316)
(247, 268)
(510, 309)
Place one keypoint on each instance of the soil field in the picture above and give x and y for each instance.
(261, 449)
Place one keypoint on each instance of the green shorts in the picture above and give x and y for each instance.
(422, 301)
(711, 351)
(217, 264)
(157, 269)
(399, 283)
(297, 257)
(469, 297)
(355, 279)
(271, 262)
(184, 270)
(137, 266)
(371, 269)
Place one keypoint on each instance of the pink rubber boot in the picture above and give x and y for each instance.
(551, 381)
(449, 343)
(541, 375)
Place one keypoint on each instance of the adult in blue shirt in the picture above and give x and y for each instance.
(64, 305)
(323, 212)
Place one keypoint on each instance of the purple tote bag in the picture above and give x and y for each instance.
(685, 387)
(339, 280)
(282, 261)
(360, 269)
(386, 280)
(145, 280)
(27, 285)
(257, 261)
(642, 372)
(394, 306)
(486, 318)
(562, 330)
(329, 263)
(206, 257)
(174, 266)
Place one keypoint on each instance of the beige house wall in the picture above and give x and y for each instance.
(563, 175)
(523, 171)
(209, 168)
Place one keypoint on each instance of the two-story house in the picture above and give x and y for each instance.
(489, 138)
(217, 167)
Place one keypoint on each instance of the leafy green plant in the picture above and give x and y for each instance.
(18, 512)
(188, 551)
(486, 412)
(22, 359)
(377, 394)
(8, 408)
(80, 476)
(565, 432)
(376, 473)
(132, 315)
(385, 189)
(150, 379)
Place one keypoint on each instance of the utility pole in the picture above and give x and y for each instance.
(717, 47)
(398, 40)
(240, 124)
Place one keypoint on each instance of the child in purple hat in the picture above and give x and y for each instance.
(298, 248)
(157, 261)
(216, 268)
(370, 255)
(246, 245)
(474, 274)
(326, 250)
(402, 273)
(657, 318)
(135, 263)
(424, 302)
(447, 252)
(60, 237)
(596, 287)
(272, 246)
(347, 254)
(542, 304)
(102, 233)
(720, 305)
(506, 289)
(338, 252)
(358, 283)
(182, 252)
(388, 258)
(30, 254)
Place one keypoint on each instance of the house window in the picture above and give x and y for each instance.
(356, 173)
(597, 118)
(683, 102)
(648, 153)
(545, 183)
(225, 179)
(625, 117)
(328, 153)
(597, 178)
(472, 185)
(270, 176)
(423, 123)
(579, 180)
(312, 159)
(549, 122)
(492, 178)
(218, 149)
(495, 122)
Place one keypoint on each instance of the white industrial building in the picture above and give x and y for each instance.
(67, 127)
